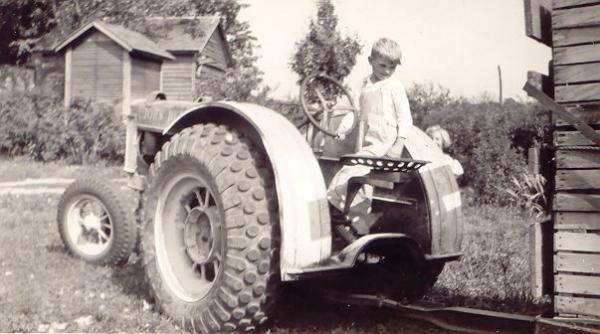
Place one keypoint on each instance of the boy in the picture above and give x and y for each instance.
(386, 119)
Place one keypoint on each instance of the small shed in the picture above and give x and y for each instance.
(175, 56)
(201, 54)
(107, 62)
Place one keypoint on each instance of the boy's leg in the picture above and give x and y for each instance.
(336, 193)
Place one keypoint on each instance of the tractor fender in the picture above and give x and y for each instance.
(442, 195)
(301, 192)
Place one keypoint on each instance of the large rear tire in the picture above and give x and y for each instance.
(95, 222)
(210, 232)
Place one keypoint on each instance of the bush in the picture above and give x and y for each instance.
(38, 125)
(489, 140)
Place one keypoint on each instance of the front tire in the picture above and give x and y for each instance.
(210, 233)
(95, 223)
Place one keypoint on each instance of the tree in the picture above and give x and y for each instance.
(21, 23)
(324, 49)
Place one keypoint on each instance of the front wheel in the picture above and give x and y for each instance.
(210, 237)
(95, 223)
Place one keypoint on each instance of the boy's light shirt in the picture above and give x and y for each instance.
(386, 98)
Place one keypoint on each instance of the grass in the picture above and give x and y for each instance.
(494, 271)
(43, 288)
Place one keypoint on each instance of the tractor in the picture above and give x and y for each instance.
(230, 204)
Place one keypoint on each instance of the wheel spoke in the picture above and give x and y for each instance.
(321, 99)
(80, 239)
(343, 108)
(187, 208)
(103, 235)
(103, 217)
(206, 198)
(106, 225)
(203, 272)
(199, 199)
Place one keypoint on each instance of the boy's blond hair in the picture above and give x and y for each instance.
(387, 49)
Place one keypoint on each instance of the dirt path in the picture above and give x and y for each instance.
(37, 186)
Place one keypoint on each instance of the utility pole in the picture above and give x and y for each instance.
(499, 85)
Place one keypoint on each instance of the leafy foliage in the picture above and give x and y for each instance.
(21, 23)
(527, 191)
(489, 140)
(37, 125)
(324, 50)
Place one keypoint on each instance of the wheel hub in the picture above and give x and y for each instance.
(199, 234)
(91, 222)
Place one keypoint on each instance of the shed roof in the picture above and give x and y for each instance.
(128, 39)
(188, 34)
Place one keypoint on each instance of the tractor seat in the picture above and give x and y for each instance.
(383, 164)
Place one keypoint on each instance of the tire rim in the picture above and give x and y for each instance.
(89, 226)
(188, 237)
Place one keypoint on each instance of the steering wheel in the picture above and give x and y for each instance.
(319, 117)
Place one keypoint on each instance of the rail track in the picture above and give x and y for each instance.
(466, 320)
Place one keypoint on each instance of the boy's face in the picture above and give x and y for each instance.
(382, 68)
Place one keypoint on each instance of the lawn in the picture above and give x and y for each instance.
(43, 288)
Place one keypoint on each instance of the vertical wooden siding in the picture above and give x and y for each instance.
(576, 58)
(177, 77)
(215, 50)
(145, 77)
(97, 68)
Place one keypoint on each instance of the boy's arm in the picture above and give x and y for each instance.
(402, 109)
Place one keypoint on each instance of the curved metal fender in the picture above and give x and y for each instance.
(301, 192)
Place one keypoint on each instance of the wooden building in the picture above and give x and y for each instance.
(108, 62)
(201, 54)
(572, 29)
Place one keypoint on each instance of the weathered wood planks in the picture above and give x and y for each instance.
(573, 159)
(576, 54)
(577, 221)
(577, 284)
(577, 263)
(576, 17)
(577, 305)
(571, 138)
(566, 37)
(589, 114)
(585, 179)
(576, 242)
(577, 73)
(581, 92)
(577, 202)
(558, 4)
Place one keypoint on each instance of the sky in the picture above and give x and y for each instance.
(454, 43)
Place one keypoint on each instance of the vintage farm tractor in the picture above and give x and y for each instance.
(231, 203)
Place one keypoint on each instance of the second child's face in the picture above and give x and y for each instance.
(382, 68)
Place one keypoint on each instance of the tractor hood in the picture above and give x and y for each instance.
(157, 115)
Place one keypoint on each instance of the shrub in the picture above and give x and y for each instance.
(37, 125)
(489, 140)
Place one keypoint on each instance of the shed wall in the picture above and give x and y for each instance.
(97, 68)
(145, 77)
(576, 205)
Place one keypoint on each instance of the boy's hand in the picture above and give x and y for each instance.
(340, 136)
